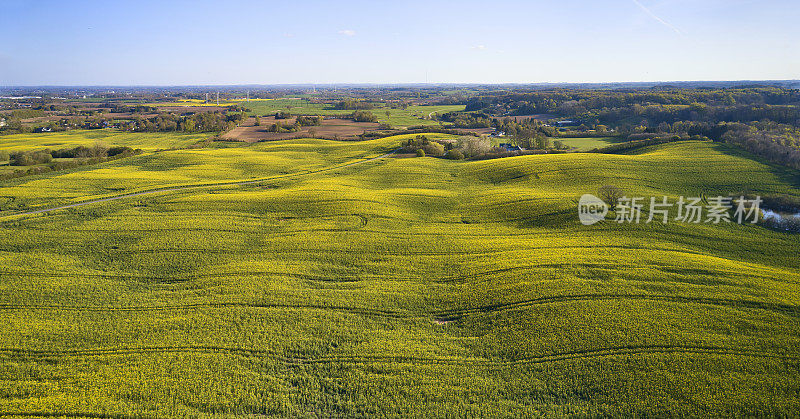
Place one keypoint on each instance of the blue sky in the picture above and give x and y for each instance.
(168, 42)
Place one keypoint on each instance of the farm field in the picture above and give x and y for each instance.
(193, 103)
(589, 143)
(66, 139)
(5, 168)
(411, 116)
(223, 163)
(344, 129)
(414, 114)
(342, 281)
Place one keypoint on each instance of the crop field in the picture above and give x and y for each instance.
(229, 163)
(589, 143)
(343, 129)
(295, 106)
(109, 137)
(324, 278)
(414, 114)
(411, 116)
(212, 102)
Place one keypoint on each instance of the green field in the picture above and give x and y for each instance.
(589, 143)
(394, 286)
(413, 115)
(295, 106)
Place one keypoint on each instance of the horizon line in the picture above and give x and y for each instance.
(310, 84)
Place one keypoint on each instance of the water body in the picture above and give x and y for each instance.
(787, 221)
(778, 216)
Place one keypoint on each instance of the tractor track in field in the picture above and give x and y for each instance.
(584, 355)
(196, 186)
(18, 353)
(174, 279)
(441, 317)
(179, 307)
(363, 221)
(788, 309)
(34, 414)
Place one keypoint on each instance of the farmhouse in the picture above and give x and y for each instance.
(510, 147)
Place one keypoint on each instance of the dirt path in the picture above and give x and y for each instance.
(207, 185)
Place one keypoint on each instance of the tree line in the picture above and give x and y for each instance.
(762, 120)
(30, 158)
(352, 104)
(198, 122)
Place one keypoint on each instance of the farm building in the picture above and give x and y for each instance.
(510, 147)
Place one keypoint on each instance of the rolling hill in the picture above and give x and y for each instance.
(341, 281)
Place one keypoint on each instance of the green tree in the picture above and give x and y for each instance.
(433, 149)
(454, 155)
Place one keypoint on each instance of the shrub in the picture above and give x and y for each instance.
(454, 155)
(363, 116)
(120, 151)
(433, 149)
(279, 127)
(308, 120)
(420, 153)
(27, 158)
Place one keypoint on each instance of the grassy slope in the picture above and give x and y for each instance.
(403, 286)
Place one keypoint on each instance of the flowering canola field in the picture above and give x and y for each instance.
(337, 284)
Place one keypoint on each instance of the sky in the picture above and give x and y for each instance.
(166, 42)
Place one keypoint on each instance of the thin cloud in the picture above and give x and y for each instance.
(654, 16)
(347, 32)
(479, 47)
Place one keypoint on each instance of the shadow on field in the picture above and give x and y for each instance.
(785, 174)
